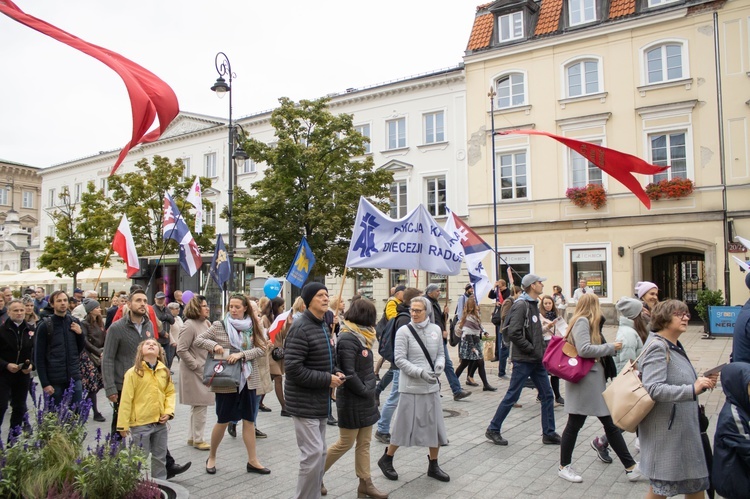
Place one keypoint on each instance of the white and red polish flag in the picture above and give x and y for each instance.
(124, 246)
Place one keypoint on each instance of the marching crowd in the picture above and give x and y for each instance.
(319, 360)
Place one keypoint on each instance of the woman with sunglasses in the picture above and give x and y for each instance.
(671, 449)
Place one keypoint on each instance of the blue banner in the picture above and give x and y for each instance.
(302, 264)
(220, 269)
(721, 320)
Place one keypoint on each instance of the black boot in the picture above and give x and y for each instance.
(434, 471)
(386, 466)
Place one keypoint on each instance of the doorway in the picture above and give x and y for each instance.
(680, 276)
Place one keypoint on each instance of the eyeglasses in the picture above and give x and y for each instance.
(417, 310)
(682, 314)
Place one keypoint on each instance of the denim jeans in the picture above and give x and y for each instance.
(385, 380)
(386, 414)
(501, 352)
(538, 375)
(450, 373)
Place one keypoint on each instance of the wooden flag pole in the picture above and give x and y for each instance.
(102, 268)
(341, 289)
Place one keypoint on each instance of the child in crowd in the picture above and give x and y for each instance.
(148, 399)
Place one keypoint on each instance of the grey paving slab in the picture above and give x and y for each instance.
(524, 469)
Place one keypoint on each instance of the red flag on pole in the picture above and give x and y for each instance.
(124, 246)
(149, 95)
(618, 165)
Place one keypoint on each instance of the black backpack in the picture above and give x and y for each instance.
(387, 339)
(382, 323)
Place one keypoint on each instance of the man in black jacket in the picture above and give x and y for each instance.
(311, 372)
(432, 292)
(16, 352)
(167, 319)
(525, 333)
(59, 342)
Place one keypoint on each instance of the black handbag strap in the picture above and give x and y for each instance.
(421, 344)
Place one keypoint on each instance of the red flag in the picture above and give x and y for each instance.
(149, 95)
(124, 246)
(277, 325)
(616, 164)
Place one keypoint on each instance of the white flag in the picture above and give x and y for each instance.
(194, 198)
(743, 265)
(743, 241)
(413, 242)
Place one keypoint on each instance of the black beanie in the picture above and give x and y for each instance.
(310, 290)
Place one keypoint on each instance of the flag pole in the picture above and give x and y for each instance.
(106, 258)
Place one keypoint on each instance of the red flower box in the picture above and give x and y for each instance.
(671, 189)
(592, 194)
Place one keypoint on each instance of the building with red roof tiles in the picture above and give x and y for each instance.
(637, 76)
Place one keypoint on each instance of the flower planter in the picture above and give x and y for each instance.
(592, 195)
(670, 189)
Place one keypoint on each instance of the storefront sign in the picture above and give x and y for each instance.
(721, 320)
(589, 255)
(736, 248)
(516, 258)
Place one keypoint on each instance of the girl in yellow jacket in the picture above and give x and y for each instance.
(147, 403)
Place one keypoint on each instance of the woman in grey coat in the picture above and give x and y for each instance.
(585, 398)
(671, 448)
(418, 420)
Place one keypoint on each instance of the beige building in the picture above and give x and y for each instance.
(636, 76)
(20, 191)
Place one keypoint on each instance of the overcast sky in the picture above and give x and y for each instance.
(58, 104)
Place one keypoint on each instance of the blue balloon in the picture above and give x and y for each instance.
(272, 288)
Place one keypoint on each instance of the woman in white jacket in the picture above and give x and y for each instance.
(418, 420)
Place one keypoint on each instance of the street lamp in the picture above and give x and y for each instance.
(221, 87)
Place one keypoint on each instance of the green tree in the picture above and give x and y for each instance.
(83, 233)
(311, 188)
(140, 195)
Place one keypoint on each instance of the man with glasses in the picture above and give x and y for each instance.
(527, 349)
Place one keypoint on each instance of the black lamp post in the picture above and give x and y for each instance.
(221, 87)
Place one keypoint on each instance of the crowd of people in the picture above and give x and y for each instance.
(321, 366)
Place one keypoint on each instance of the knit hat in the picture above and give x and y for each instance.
(431, 289)
(629, 307)
(643, 287)
(90, 304)
(310, 290)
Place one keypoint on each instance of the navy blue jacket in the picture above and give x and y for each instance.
(741, 339)
(56, 351)
(731, 466)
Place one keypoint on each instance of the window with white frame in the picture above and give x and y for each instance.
(186, 168)
(583, 171)
(590, 265)
(27, 199)
(77, 190)
(51, 231)
(5, 196)
(581, 11)
(436, 196)
(659, 3)
(434, 127)
(398, 199)
(396, 133)
(364, 130)
(210, 216)
(664, 63)
(248, 166)
(518, 261)
(51, 198)
(669, 148)
(511, 90)
(398, 277)
(209, 165)
(583, 78)
(510, 26)
(104, 185)
(513, 175)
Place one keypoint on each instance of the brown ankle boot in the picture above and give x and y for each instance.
(367, 489)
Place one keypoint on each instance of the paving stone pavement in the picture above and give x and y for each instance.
(524, 469)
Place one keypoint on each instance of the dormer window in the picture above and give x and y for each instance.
(581, 12)
(510, 26)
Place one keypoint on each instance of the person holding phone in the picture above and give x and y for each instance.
(16, 352)
(355, 399)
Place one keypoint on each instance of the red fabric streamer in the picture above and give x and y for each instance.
(149, 95)
(616, 164)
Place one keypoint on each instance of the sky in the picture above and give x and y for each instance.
(58, 104)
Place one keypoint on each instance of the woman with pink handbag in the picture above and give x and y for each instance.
(585, 397)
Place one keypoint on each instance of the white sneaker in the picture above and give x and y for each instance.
(635, 474)
(568, 474)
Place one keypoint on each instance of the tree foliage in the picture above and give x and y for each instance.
(83, 233)
(311, 187)
(140, 195)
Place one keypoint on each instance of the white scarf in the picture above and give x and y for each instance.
(233, 328)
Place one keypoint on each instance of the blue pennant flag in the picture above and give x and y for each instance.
(302, 264)
(221, 267)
